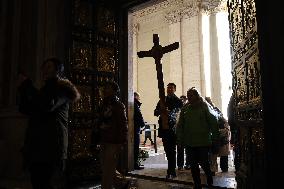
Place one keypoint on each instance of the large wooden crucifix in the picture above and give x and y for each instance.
(157, 53)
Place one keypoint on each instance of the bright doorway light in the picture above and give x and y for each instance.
(225, 59)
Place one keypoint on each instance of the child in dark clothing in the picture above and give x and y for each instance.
(148, 134)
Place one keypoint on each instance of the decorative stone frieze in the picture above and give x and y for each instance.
(185, 9)
(213, 6)
(175, 10)
(155, 8)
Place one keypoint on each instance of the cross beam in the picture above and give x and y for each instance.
(157, 53)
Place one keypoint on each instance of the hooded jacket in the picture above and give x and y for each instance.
(197, 126)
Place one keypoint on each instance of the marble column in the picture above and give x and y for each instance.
(202, 58)
(20, 47)
(191, 55)
(184, 53)
(135, 57)
(175, 57)
(214, 61)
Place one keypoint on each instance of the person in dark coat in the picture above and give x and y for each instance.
(232, 120)
(181, 148)
(138, 124)
(46, 139)
(113, 131)
(173, 104)
(148, 134)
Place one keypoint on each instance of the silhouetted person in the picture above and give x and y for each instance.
(181, 148)
(148, 134)
(46, 139)
(234, 131)
(113, 131)
(173, 104)
(138, 124)
(223, 149)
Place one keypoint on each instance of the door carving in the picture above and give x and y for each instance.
(249, 150)
(92, 60)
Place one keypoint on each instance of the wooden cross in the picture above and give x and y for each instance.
(157, 53)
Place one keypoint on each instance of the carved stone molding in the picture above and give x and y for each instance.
(173, 17)
(154, 8)
(185, 9)
(173, 10)
(191, 9)
(213, 6)
(135, 28)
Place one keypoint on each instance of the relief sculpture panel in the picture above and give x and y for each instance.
(253, 78)
(80, 143)
(106, 59)
(249, 18)
(247, 92)
(92, 61)
(235, 17)
(241, 87)
(84, 104)
(82, 56)
(82, 13)
(106, 21)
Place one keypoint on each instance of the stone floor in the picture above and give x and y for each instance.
(152, 176)
(156, 166)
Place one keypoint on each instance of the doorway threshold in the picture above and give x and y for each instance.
(221, 181)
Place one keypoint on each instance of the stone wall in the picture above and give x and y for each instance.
(174, 21)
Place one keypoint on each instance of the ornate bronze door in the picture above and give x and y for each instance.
(93, 59)
(247, 94)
